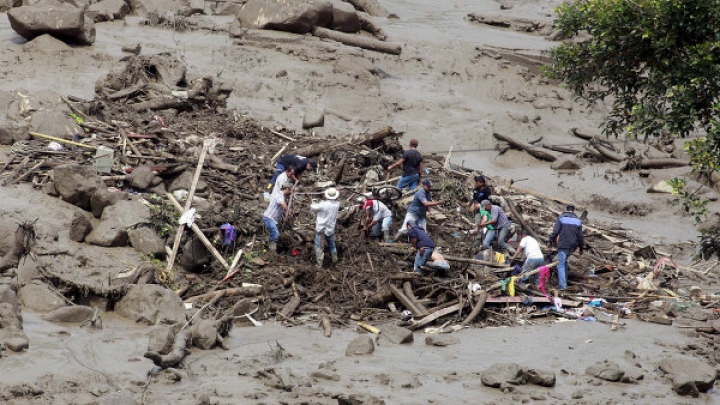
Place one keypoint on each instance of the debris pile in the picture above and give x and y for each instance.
(158, 139)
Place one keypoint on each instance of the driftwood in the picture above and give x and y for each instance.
(585, 133)
(361, 139)
(176, 355)
(289, 308)
(197, 91)
(246, 291)
(608, 154)
(366, 24)
(409, 304)
(479, 304)
(661, 163)
(358, 41)
(538, 152)
(518, 217)
(437, 314)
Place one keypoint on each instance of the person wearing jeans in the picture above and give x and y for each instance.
(327, 212)
(499, 222)
(422, 242)
(412, 162)
(274, 213)
(381, 218)
(568, 237)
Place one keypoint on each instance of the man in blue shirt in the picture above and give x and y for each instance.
(568, 237)
(423, 244)
(418, 208)
(500, 223)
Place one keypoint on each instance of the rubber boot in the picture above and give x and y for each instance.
(333, 257)
(272, 247)
(386, 236)
(319, 257)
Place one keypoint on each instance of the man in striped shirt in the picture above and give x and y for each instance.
(274, 213)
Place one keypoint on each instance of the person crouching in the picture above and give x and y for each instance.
(423, 244)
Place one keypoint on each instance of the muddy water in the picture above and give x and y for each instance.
(112, 357)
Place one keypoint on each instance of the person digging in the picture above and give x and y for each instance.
(274, 213)
(327, 212)
(381, 218)
(422, 243)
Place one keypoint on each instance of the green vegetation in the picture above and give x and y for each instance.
(658, 61)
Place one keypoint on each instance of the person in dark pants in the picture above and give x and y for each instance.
(412, 162)
(422, 242)
(299, 163)
(480, 193)
(568, 237)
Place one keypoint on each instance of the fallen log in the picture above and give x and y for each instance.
(406, 301)
(662, 163)
(518, 217)
(608, 154)
(479, 304)
(327, 329)
(358, 41)
(407, 288)
(536, 151)
(436, 315)
(288, 309)
(361, 139)
(585, 133)
(245, 291)
(367, 24)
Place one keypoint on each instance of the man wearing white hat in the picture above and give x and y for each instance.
(327, 212)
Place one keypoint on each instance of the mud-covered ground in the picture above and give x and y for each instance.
(455, 84)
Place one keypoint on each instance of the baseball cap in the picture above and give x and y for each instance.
(570, 207)
(411, 222)
(427, 182)
(367, 204)
(485, 203)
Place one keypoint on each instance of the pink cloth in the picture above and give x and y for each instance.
(544, 279)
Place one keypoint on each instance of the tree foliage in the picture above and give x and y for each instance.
(658, 61)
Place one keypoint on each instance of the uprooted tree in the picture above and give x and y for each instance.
(659, 60)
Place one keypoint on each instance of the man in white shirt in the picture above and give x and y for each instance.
(327, 212)
(274, 213)
(381, 218)
(534, 257)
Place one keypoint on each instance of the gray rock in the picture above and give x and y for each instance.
(49, 189)
(72, 314)
(8, 296)
(503, 373)
(228, 8)
(77, 183)
(142, 177)
(360, 346)
(662, 186)
(151, 304)
(435, 339)
(542, 378)
(394, 335)
(143, 7)
(17, 344)
(109, 233)
(104, 198)
(6, 5)
(147, 242)
(107, 10)
(80, 226)
(194, 255)
(358, 399)
(313, 118)
(65, 22)
(683, 384)
(48, 45)
(55, 122)
(404, 380)
(129, 213)
(570, 162)
(700, 372)
(183, 182)
(205, 334)
(606, 370)
(162, 338)
(38, 297)
(283, 15)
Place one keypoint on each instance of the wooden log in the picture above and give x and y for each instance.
(475, 261)
(17, 170)
(371, 7)
(406, 301)
(358, 41)
(607, 153)
(538, 152)
(407, 288)
(176, 355)
(198, 88)
(527, 274)
(518, 217)
(327, 328)
(436, 314)
(126, 140)
(662, 163)
(479, 305)
(246, 291)
(585, 133)
(26, 174)
(561, 149)
(367, 24)
(188, 204)
(361, 139)
(125, 93)
(288, 309)
(205, 241)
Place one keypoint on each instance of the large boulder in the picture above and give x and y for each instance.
(70, 314)
(298, 16)
(6, 5)
(394, 335)
(66, 23)
(48, 45)
(54, 122)
(701, 373)
(76, 183)
(151, 304)
(108, 10)
(129, 213)
(503, 373)
(80, 226)
(38, 297)
(104, 198)
(109, 233)
(345, 18)
(147, 242)
(606, 370)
